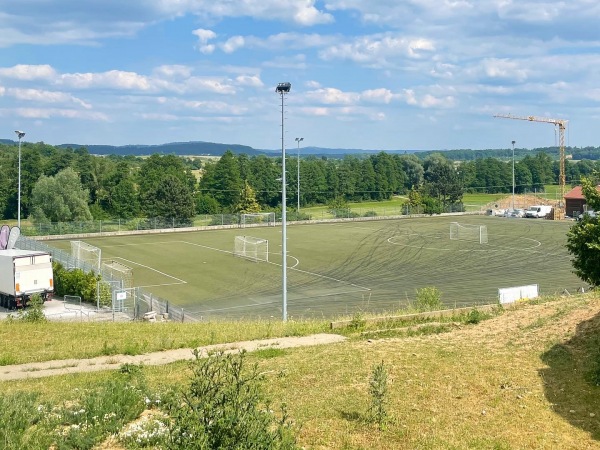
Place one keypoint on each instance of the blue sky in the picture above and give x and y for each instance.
(376, 74)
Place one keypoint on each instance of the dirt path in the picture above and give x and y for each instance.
(113, 362)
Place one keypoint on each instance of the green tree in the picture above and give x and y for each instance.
(172, 198)
(223, 181)
(583, 239)
(262, 176)
(166, 188)
(413, 168)
(247, 203)
(442, 181)
(60, 199)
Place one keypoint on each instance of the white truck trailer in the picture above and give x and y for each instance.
(22, 274)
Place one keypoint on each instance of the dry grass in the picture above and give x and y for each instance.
(518, 380)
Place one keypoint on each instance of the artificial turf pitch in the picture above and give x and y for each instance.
(342, 268)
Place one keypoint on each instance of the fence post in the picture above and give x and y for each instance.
(182, 315)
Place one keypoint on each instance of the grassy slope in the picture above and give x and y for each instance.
(519, 380)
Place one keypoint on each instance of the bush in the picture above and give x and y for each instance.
(371, 214)
(378, 390)
(429, 299)
(79, 283)
(224, 408)
(34, 313)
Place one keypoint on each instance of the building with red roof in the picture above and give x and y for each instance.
(575, 201)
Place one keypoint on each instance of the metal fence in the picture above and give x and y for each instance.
(216, 220)
(138, 302)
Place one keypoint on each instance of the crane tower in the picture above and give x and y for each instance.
(562, 125)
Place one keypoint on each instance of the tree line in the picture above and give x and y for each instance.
(59, 184)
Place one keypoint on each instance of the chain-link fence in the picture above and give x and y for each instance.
(136, 304)
(216, 220)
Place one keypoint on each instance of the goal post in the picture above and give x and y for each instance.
(117, 271)
(87, 253)
(252, 248)
(267, 219)
(468, 232)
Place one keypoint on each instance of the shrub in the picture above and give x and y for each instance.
(429, 299)
(79, 283)
(34, 313)
(371, 214)
(378, 391)
(224, 408)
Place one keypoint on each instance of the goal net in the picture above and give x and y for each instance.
(252, 248)
(87, 253)
(118, 271)
(258, 219)
(465, 232)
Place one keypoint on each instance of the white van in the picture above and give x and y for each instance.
(538, 211)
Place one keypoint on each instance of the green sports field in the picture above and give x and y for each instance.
(341, 268)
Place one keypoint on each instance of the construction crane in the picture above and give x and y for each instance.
(562, 125)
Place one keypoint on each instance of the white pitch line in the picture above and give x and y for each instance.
(318, 275)
(154, 270)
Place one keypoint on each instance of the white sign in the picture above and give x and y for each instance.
(121, 295)
(510, 295)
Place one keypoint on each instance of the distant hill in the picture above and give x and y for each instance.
(201, 148)
(174, 148)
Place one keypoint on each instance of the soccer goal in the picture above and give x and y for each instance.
(87, 253)
(118, 271)
(252, 248)
(267, 219)
(466, 232)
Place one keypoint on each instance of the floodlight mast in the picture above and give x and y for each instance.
(283, 89)
(20, 135)
(298, 140)
(513, 174)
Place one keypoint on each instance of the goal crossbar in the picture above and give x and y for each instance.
(252, 248)
(87, 253)
(267, 219)
(468, 232)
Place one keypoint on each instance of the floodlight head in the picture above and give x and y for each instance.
(283, 88)
(299, 139)
(514, 142)
(20, 134)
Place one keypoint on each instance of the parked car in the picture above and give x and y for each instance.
(591, 213)
(514, 213)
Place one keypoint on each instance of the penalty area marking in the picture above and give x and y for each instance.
(488, 247)
(178, 280)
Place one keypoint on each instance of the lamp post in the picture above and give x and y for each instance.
(298, 140)
(513, 175)
(20, 135)
(282, 89)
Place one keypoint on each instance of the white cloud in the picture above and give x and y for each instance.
(378, 50)
(380, 95)
(115, 79)
(28, 72)
(249, 80)
(49, 113)
(232, 44)
(503, 68)
(333, 96)
(173, 71)
(203, 37)
(36, 95)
